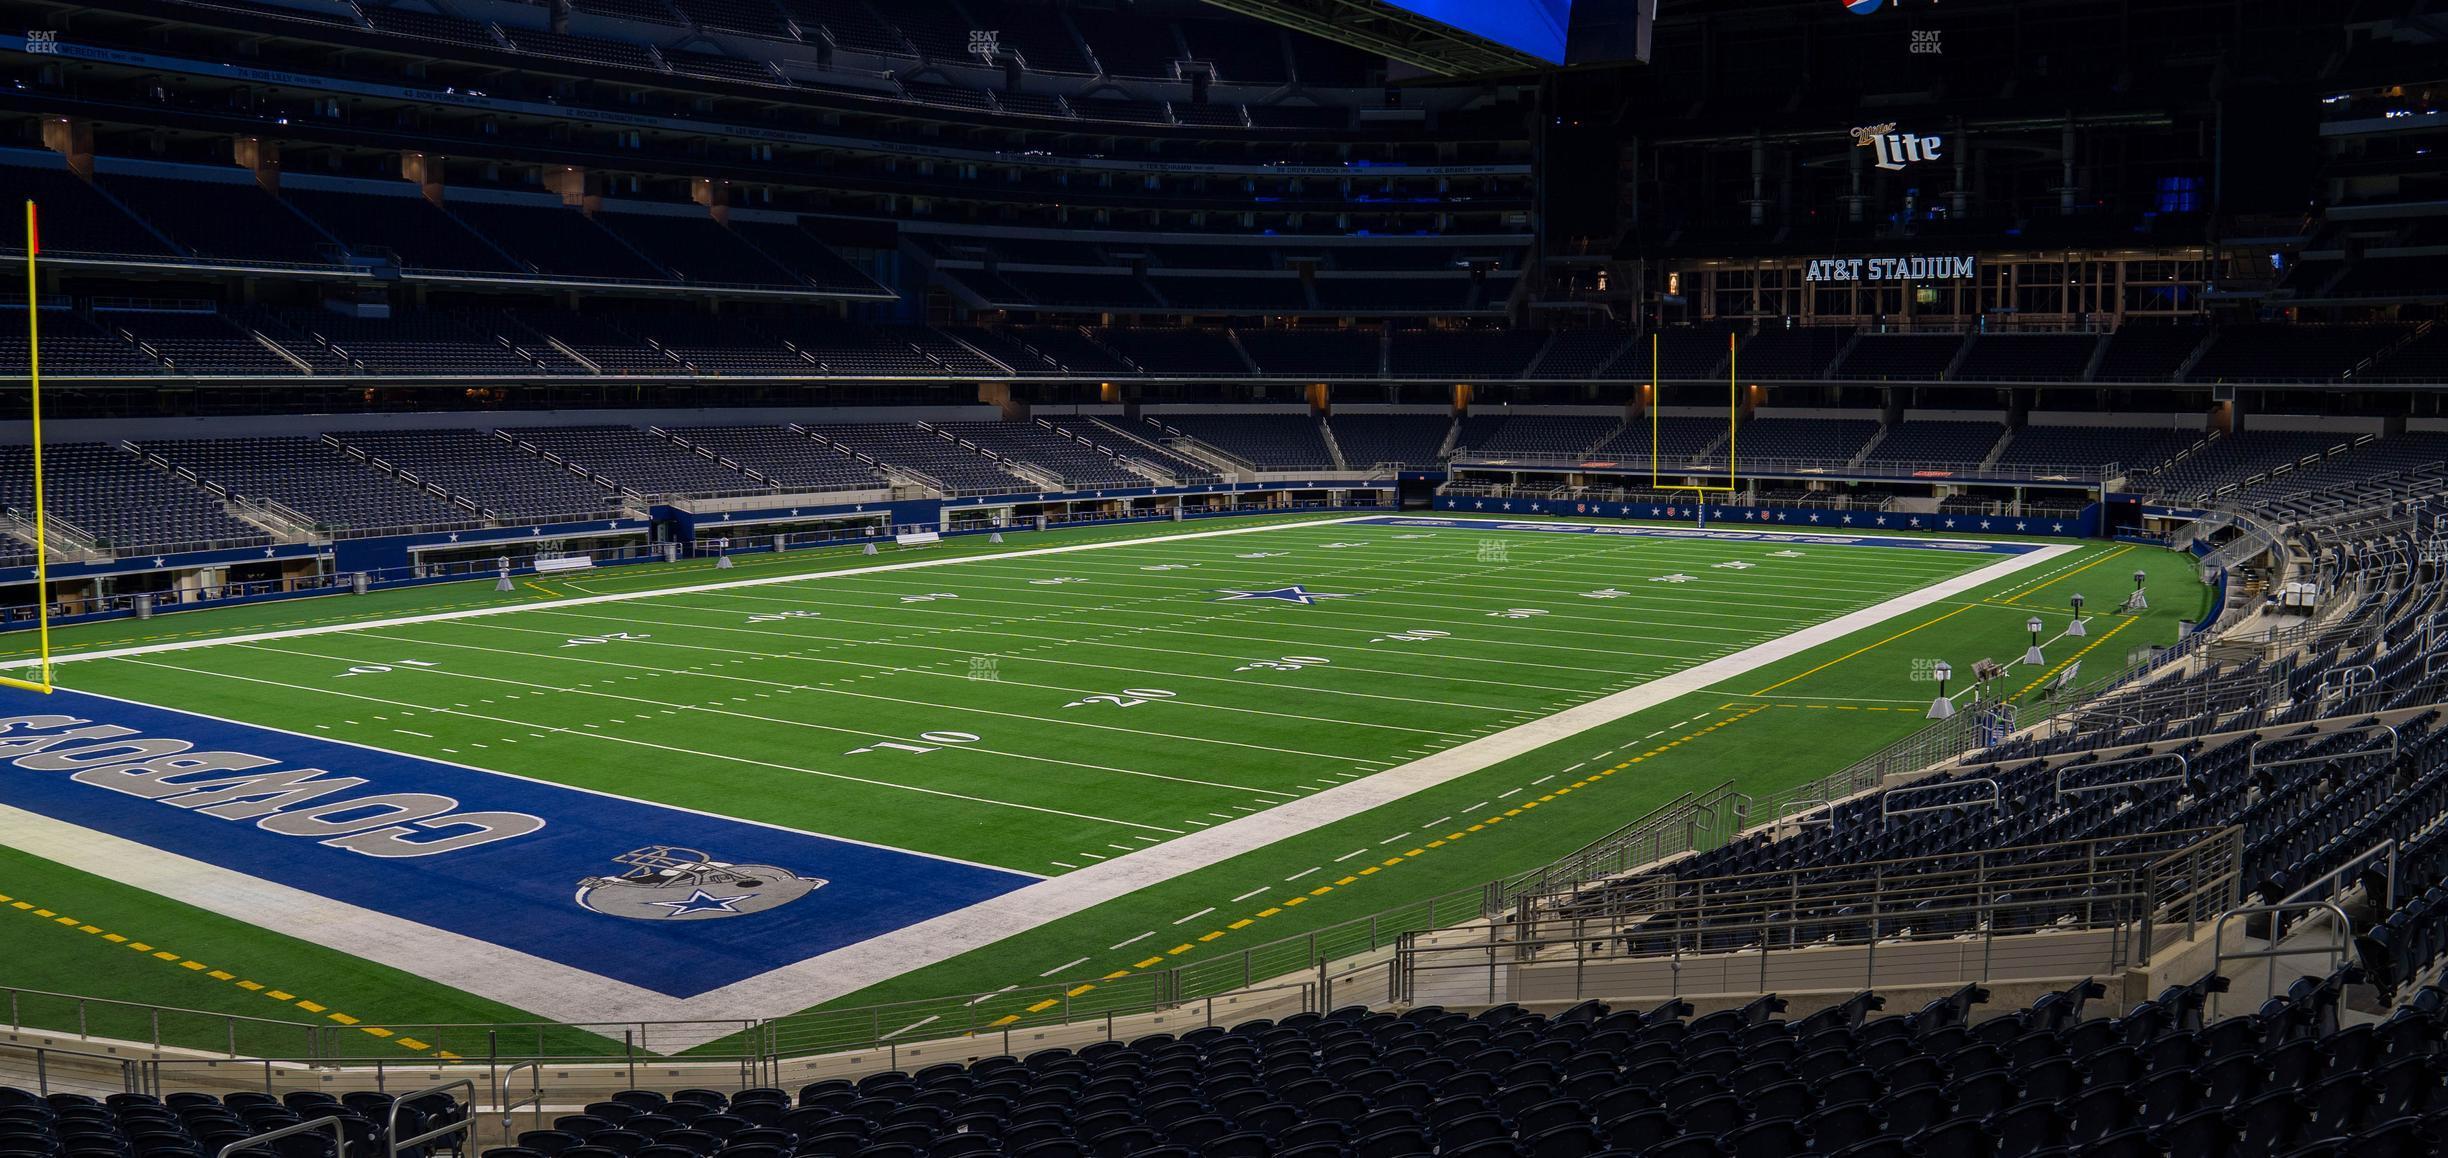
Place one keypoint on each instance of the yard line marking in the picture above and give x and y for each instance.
(591, 735)
(1349, 855)
(952, 707)
(1063, 966)
(986, 997)
(1611, 550)
(1031, 653)
(1194, 916)
(1304, 872)
(886, 669)
(779, 720)
(911, 1026)
(690, 589)
(1248, 895)
(1133, 941)
(406, 732)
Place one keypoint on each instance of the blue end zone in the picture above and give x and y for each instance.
(1962, 546)
(489, 856)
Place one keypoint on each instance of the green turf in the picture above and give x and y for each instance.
(722, 694)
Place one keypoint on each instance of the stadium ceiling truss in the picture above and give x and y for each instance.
(1413, 39)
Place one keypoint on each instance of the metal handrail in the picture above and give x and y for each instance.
(339, 1137)
(1888, 810)
(2184, 773)
(131, 1071)
(2116, 898)
(2346, 869)
(2343, 927)
(535, 1095)
(466, 1123)
(2252, 756)
(2344, 682)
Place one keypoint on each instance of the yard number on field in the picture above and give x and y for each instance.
(379, 668)
(607, 637)
(935, 742)
(1287, 663)
(1129, 698)
(1415, 635)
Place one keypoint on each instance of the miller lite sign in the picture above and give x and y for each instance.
(1896, 150)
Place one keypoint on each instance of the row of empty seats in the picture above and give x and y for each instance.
(177, 491)
(119, 340)
(1953, 1078)
(1079, 43)
(192, 1124)
(173, 218)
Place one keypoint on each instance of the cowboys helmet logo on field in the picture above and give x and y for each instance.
(669, 883)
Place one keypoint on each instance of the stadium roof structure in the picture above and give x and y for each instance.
(1420, 41)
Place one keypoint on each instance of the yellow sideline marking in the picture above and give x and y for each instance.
(2069, 660)
(1738, 713)
(201, 969)
(1872, 647)
(2046, 579)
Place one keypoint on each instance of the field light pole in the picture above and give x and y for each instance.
(2033, 657)
(1942, 707)
(2075, 630)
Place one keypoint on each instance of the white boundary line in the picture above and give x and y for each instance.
(564, 993)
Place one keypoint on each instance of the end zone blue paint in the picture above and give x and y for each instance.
(1820, 538)
(517, 893)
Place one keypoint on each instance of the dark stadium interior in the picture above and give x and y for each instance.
(2172, 272)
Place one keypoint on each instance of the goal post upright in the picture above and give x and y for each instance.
(42, 549)
(1657, 397)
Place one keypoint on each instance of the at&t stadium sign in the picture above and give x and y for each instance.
(1939, 267)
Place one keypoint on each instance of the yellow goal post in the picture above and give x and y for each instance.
(1656, 443)
(42, 547)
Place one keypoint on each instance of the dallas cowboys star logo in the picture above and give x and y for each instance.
(1293, 594)
(700, 901)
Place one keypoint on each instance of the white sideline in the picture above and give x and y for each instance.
(564, 993)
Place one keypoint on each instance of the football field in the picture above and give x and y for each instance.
(1059, 761)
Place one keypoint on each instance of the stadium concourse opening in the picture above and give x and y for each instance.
(760, 578)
